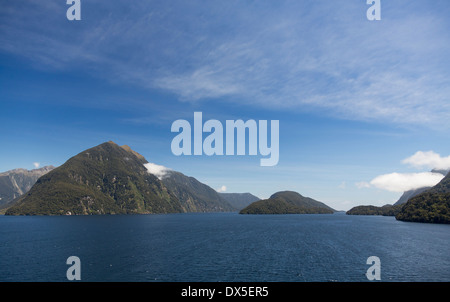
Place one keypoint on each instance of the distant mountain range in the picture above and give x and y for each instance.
(113, 179)
(287, 202)
(110, 179)
(15, 183)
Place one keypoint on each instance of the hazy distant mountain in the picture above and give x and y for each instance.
(433, 205)
(411, 193)
(441, 171)
(287, 202)
(194, 195)
(239, 200)
(110, 179)
(15, 183)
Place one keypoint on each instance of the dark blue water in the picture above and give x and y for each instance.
(222, 247)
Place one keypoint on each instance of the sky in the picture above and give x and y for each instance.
(363, 106)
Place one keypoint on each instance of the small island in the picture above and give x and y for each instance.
(287, 202)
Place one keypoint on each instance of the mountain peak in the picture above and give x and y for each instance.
(128, 149)
(113, 179)
(105, 179)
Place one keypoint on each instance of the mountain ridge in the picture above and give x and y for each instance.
(194, 195)
(107, 179)
(414, 192)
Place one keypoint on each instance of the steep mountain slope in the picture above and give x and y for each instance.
(287, 202)
(431, 206)
(112, 179)
(194, 195)
(407, 195)
(15, 183)
(411, 193)
(106, 179)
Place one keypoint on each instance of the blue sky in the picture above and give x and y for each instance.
(354, 98)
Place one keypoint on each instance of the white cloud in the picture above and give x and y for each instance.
(428, 159)
(157, 170)
(293, 57)
(221, 189)
(36, 164)
(400, 182)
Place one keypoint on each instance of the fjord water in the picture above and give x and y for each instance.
(222, 247)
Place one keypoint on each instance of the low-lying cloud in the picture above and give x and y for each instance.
(157, 170)
(401, 182)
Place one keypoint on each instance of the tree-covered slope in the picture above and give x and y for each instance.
(106, 179)
(431, 206)
(386, 210)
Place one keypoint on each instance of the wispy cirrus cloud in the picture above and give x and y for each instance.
(359, 72)
(323, 56)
